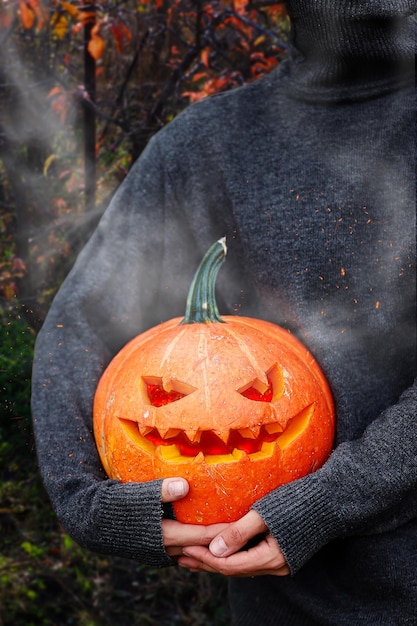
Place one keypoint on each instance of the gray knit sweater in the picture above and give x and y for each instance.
(310, 173)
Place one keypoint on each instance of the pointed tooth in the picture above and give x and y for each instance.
(167, 433)
(250, 433)
(255, 430)
(239, 455)
(171, 432)
(268, 447)
(246, 433)
(223, 435)
(271, 429)
(199, 458)
(167, 453)
(144, 430)
(193, 435)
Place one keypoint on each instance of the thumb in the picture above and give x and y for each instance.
(173, 489)
(237, 535)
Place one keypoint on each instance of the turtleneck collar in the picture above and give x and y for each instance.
(350, 49)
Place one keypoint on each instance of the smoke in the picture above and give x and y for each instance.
(42, 168)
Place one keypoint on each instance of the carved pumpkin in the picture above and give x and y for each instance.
(236, 405)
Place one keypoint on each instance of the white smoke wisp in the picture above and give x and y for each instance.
(41, 160)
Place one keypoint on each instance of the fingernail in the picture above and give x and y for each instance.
(218, 546)
(176, 488)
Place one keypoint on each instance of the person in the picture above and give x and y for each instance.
(310, 174)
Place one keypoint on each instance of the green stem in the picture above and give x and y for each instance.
(201, 301)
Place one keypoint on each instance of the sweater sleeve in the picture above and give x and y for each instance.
(106, 299)
(368, 486)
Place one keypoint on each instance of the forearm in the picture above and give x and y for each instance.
(100, 514)
(367, 486)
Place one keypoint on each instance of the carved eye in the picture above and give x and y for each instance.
(159, 394)
(260, 392)
(252, 392)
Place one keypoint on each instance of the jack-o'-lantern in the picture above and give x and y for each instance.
(236, 405)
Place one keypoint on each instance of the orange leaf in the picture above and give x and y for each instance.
(85, 17)
(59, 25)
(54, 92)
(70, 9)
(276, 10)
(240, 6)
(27, 17)
(198, 76)
(194, 96)
(96, 47)
(205, 56)
(259, 40)
(40, 13)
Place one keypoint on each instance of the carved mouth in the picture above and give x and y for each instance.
(176, 445)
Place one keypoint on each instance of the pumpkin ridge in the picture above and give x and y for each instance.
(203, 354)
(259, 371)
(171, 346)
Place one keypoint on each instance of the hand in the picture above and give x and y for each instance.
(178, 536)
(224, 554)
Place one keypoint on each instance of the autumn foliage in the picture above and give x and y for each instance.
(83, 86)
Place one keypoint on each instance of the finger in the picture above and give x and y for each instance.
(237, 535)
(174, 552)
(176, 534)
(198, 566)
(174, 489)
(235, 565)
(195, 566)
(264, 559)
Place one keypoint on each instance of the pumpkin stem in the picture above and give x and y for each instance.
(201, 301)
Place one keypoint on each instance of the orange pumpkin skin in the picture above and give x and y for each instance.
(232, 449)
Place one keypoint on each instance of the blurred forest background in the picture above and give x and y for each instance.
(83, 86)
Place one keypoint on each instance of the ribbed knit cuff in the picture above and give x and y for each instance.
(301, 518)
(123, 519)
